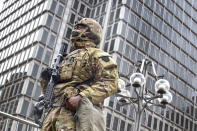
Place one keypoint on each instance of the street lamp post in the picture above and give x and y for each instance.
(143, 99)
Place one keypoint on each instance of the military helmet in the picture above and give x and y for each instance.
(93, 32)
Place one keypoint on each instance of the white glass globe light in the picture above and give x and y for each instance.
(166, 98)
(137, 80)
(162, 86)
(123, 96)
(121, 84)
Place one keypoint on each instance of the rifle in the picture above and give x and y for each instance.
(45, 102)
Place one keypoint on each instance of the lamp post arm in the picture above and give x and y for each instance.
(153, 68)
(142, 65)
(137, 93)
(154, 97)
(148, 101)
(160, 105)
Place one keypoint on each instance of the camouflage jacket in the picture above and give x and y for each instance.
(82, 65)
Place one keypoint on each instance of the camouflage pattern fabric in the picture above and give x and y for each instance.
(59, 119)
(81, 65)
(85, 63)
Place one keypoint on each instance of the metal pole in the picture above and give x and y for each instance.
(18, 119)
(6, 126)
(138, 117)
(16, 125)
(140, 109)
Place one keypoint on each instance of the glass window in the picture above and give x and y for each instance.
(101, 21)
(160, 126)
(63, 1)
(121, 44)
(123, 32)
(106, 46)
(93, 11)
(137, 24)
(68, 33)
(112, 45)
(49, 21)
(134, 5)
(47, 57)
(35, 70)
(133, 55)
(31, 111)
(103, 8)
(51, 40)
(129, 127)
(108, 31)
(108, 120)
(39, 53)
(152, 50)
(91, 1)
(111, 16)
(130, 35)
(139, 10)
(44, 36)
(56, 25)
(30, 88)
(166, 127)
(117, 13)
(37, 92)
(126, 15)
(82, 9)
(115, 124)
(115, 28)
(111, 100)
(98, 11)
(76, 3)
(127, 50)
(88, 13)
(149, 120)
(141, 43)
(155, 124)
(60, 10)
(186, 123)
(72, 18)
(125, 66)
(24, 107)
(113, 3)
(143, 28)
(122, 125)
(172, 115)
(53, 6)
(177, 118)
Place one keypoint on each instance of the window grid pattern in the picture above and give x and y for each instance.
(172, 50)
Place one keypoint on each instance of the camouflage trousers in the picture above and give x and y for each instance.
(87, 118)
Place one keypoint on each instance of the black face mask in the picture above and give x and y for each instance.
(74, 33)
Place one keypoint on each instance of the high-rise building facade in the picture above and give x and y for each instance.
(165, 31)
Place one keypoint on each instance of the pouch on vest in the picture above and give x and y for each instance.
(66, 70)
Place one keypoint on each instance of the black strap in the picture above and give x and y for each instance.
(84, 82)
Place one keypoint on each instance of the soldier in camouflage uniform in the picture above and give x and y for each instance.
(88, 75)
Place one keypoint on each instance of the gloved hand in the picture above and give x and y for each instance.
(72, 102)
(38, 109)
(46, 74)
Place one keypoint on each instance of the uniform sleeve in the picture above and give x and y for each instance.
(105, 75)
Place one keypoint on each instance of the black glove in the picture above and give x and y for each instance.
(46, 74)
(38, 109)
